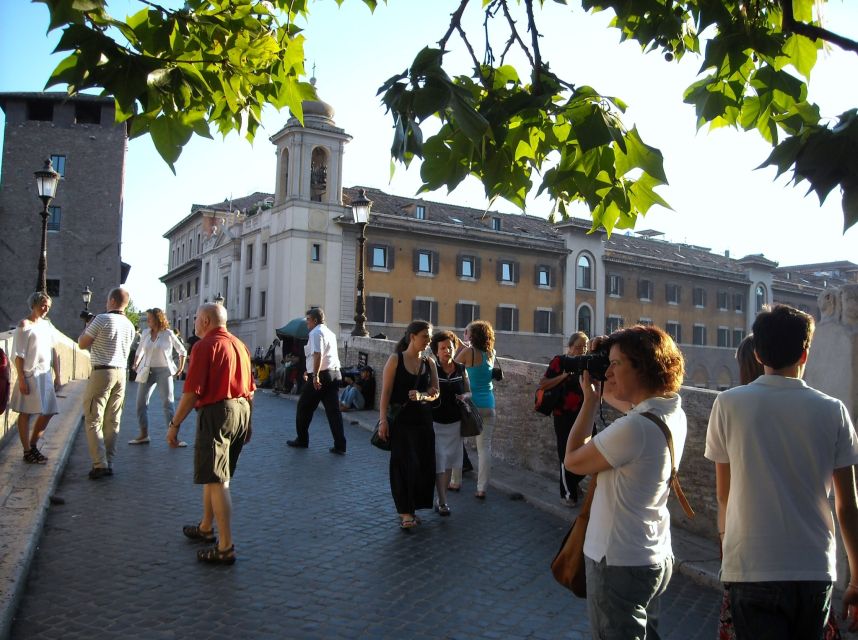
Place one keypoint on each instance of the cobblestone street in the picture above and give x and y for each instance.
(320, 554)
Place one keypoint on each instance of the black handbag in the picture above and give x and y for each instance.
(471, 423)
(497, 372)
(392, 411)
(377, 441)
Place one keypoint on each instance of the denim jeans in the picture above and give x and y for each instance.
(160, 377)
(784, 610)
(623, 602)
(352, 398)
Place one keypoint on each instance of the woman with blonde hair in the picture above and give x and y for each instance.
(154, 365)
(479, 360)
(34, 393)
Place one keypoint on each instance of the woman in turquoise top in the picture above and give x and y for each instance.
(479, 360)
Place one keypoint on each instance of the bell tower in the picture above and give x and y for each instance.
(305, 241)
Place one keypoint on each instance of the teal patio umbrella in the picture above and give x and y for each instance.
(296, 328)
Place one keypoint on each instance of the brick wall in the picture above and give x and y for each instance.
(526, 439)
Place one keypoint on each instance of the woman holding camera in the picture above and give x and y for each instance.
(627, 551)
(479, 360)
(566, 411)
(154, 366)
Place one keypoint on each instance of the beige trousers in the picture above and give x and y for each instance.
(102, 411)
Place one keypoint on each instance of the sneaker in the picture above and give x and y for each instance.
(34, 456)
(140, 440)
(182, 443)
(99, 472)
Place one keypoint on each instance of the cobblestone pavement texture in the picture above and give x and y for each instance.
(320, 554)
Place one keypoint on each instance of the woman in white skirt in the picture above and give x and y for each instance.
(34, 393)
(454, 386)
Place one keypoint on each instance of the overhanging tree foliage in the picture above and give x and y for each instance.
(517, 127)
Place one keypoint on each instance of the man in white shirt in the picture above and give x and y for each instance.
(323, 384)
(779, 446)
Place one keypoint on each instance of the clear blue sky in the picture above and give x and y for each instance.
(719, 201)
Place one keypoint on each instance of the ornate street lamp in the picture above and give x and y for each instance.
(86, 296)
(360, 213)
(47, 181)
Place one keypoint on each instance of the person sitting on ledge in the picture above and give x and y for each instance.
(360, 394)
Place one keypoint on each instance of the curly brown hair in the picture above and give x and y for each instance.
(654, 354)
(160, 318)
(482, 335)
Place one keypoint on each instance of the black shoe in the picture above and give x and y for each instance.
(339, 452)
(467, 467)
(297, 444)
(99, 472)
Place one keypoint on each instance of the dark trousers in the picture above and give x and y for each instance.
(328, 395)
(568, 481)
(784, 610)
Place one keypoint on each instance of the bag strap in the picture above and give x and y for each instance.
(588, 500)
(673, 481)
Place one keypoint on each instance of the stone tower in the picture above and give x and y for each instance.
(306, 243)
(87, 148)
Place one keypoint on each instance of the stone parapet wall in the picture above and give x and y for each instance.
(74, 365)
(525, 439)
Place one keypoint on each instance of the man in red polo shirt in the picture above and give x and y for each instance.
(220, 386)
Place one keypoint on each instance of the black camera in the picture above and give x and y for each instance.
(596, 363)
(86, 316)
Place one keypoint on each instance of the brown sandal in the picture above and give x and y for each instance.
(213, 555)
(194, 532)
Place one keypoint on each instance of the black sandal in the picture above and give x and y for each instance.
(194, 532)
(213, 555)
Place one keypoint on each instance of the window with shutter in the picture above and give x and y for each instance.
(542, 321)
(645, 289)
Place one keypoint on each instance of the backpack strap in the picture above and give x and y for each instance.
(673, 481)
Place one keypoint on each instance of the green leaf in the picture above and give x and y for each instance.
(802, 53)
(640, 155)
(466, 117)
(592, 131)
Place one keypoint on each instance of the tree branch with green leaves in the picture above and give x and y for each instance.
(519, 130)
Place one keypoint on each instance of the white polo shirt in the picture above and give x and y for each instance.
(783, 440)
(322, 340)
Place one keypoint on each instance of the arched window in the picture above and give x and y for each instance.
(318, 174)
(760, 295)
(585, 273)
(585, 320)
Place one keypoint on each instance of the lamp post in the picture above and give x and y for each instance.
(86, 296)
(360, 213)
(47, 181)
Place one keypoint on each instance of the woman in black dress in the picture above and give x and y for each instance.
(409, 386)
